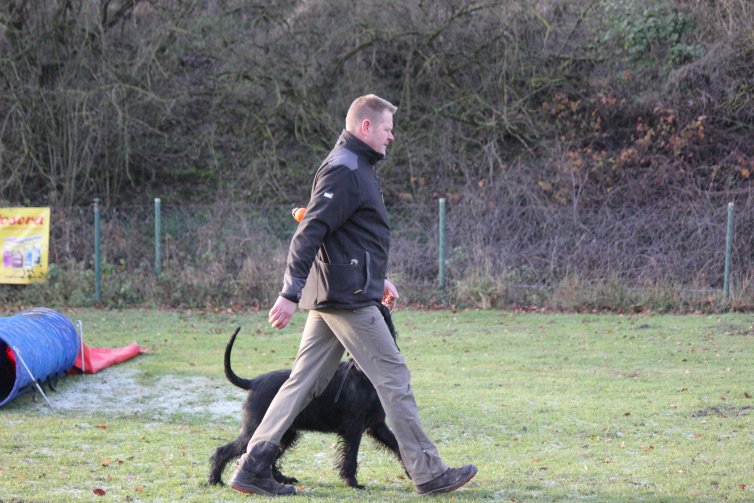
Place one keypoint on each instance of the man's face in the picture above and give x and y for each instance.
(379, 133)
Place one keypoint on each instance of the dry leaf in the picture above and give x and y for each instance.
(98, 491)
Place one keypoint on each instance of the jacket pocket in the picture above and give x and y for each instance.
(337, 282)
(368, 269)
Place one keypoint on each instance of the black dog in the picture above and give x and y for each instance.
(349, 407)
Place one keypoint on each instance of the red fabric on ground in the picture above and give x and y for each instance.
(96, 359)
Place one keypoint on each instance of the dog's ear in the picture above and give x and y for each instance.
(389, 321)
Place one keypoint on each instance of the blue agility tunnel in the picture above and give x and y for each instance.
(41, 339)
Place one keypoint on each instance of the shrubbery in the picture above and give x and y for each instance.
(640, 110)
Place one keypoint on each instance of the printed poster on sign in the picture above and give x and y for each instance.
(24, 237)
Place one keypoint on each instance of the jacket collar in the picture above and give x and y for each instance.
(358, 147)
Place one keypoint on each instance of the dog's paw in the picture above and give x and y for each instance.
(282, 479)
(353, 483)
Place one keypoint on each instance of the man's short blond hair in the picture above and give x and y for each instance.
(366, 107)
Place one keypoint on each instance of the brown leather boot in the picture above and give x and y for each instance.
(254, 474)
(452, 479)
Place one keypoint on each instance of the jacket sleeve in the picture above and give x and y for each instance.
(334, 198)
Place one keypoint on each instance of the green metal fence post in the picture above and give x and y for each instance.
(441, 258)
(157, 224)
(728, 253)
(97, 253)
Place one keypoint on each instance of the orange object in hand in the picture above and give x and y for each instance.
(298, 214)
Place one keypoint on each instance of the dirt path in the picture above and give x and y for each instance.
(121, 391)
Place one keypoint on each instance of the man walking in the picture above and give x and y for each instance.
(337, 266)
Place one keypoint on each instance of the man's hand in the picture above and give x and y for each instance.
(282, 312)
(390, 295)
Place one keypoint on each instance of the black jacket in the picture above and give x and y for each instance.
(338, 255)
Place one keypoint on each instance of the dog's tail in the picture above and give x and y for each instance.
(229, 374)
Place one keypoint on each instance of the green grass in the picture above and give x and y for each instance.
(551, 407)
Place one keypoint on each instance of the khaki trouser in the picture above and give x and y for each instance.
(364, 334)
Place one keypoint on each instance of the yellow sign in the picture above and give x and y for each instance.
(24, 238)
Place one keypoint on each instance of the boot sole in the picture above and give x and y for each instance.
(452, 487)
(256, 490)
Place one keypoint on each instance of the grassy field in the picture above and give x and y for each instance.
(550, 407)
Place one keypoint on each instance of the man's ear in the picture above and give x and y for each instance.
(365, 125)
